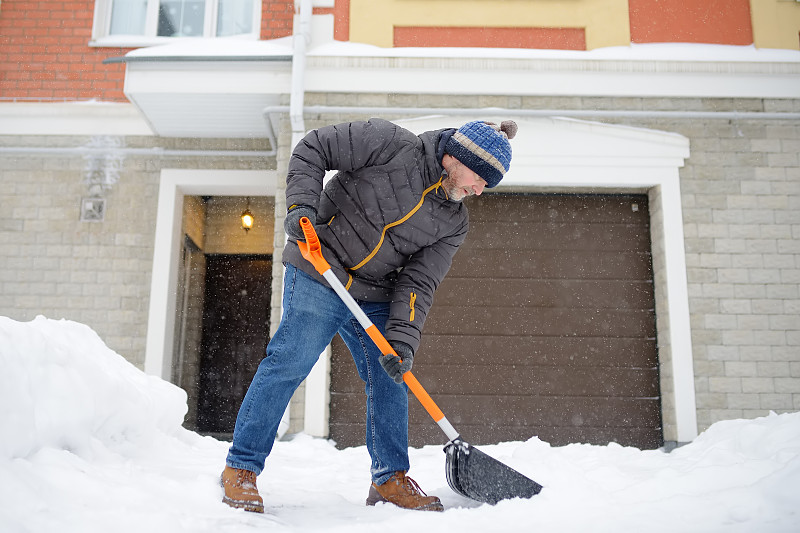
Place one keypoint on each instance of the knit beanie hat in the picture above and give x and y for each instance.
(484, 148)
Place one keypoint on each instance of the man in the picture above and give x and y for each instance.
(389, 222)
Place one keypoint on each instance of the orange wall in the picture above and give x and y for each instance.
(691, 21)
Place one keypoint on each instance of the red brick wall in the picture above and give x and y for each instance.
(276, 18)
(45, 52)
(488, 37)
(691, 21)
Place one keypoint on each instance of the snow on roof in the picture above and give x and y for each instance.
(195, 47)
(634, 52)
(656, 51)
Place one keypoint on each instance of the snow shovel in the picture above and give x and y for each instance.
(470, 472)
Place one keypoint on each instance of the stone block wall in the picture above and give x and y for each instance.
(54, 264)
(741, 210)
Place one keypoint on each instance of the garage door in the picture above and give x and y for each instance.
(545, 326)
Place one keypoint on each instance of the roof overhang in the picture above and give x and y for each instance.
(675, 70)
(220, 89)
(218, 99)
(197, 88)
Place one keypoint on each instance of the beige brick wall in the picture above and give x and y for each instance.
(97, 273)
(741, 195)
(741, 205)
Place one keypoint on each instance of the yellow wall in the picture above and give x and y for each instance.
(224, 233)
(606, 22)
(776, 23)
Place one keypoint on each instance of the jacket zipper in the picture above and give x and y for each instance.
(397, 223)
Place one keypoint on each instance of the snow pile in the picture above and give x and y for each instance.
(61, 387)
(90, 444)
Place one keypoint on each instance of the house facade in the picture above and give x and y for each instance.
(635, 278)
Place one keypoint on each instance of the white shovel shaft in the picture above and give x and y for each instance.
(366, 323)
(348, 300)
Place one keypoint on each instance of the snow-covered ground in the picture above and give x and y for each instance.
(91, 444)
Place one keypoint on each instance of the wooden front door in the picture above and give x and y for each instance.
(235, 336)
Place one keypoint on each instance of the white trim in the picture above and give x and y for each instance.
(639, 178)
(102, 21)
(763, 74)
(174, 185)
(680, 331)
(619, 158)
(72, 118)
(192, 96)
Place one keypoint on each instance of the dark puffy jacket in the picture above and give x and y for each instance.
(386, 225)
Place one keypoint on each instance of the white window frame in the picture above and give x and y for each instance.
(102, 24)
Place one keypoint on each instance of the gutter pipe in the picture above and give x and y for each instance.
(544, 113)
(594, 113)
(157, 152)
(302, 38)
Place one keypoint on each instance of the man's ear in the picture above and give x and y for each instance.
(448, 161)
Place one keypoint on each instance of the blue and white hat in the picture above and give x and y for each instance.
(484, 148)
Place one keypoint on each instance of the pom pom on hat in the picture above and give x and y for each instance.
(484, 148)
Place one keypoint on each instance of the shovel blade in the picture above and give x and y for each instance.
(475, 475)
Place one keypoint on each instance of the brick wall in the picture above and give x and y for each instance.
(276, 18)
(45, 52)
(741, 205)
(54, 265)
(97, 273)
(741, 194)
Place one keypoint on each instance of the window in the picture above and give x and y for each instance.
(142, 22)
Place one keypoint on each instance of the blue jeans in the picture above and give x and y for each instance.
(312, 315)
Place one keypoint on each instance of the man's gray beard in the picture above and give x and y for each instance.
(451, 191)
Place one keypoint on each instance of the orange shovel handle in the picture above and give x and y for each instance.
(415, 386)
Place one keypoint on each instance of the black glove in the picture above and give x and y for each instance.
(291, 224)
(397, 366)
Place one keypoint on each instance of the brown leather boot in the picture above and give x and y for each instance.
(404, 492)
(240, 490)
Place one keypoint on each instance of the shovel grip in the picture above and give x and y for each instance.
(312, 249)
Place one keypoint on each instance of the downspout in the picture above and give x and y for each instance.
(302, 37)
